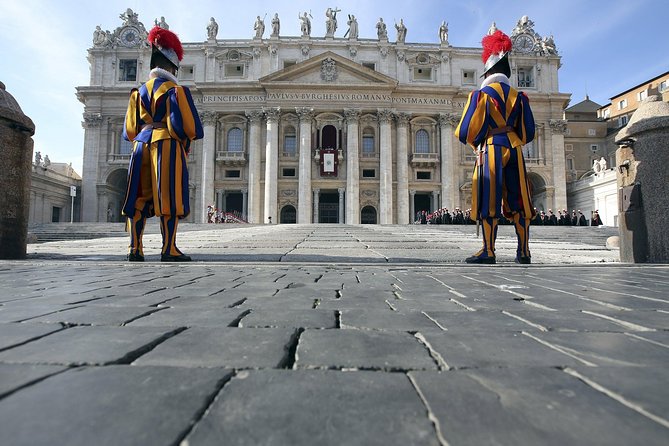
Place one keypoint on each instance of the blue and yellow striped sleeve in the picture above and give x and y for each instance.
(473, 127)
(132, 124)
(184, 121)
(525, 127)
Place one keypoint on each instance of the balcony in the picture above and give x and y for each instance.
(118, 158)
(424, 159)
(231, 158)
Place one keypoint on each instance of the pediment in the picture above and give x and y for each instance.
(328, 69)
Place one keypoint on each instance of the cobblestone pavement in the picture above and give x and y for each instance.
(334, 335)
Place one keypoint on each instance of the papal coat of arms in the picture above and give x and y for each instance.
(329, 70)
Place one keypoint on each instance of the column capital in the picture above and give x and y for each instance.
(446, 119)
(385, 115)
(402, 118)
(412, 192)
(254, 116)
(92, 120)
(306, 114)
(352, 115)
(341, 191)
(558, 126)
(316, 191)
(245, 190)
(208, 117)
(272, 114)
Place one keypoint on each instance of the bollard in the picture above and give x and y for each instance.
(16, 148)
(642, 158)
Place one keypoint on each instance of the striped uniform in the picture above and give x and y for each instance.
(162, 121)
(498, 119)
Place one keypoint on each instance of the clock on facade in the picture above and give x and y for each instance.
(129, 36)
(523, 43)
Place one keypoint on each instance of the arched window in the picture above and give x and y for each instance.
(289, 141)
(368, 215)
(422, 141)
(125, 148)
(530, 151)
(288, 214)
(235, 140)
(368, 143)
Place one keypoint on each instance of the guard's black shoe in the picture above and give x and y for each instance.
(135, 257)
(523, 260)
(480, 260)
(179, 258)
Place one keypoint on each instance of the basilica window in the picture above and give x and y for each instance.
(234, 70)
(622, 104)
(530, 151)
(233, 174)
(568, 147)
(423, 175)
(422, 141)
(468, 77)
(368, 143)
(235, 140)
(370, 65)
(125, 146)
(369, 173)
(593, 148)
(525, 77)
(570, 163)
(288, 63)
(186, 73)
(422, 73)
(127, 70)
(288, 172)
(289, 142)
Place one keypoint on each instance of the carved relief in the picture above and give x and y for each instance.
(402, 118)
(91, 120)
(328, 70)
(254, 116)
(208, 117)
(272, 114)
(385, 115)
(558, 126)
(352, 115)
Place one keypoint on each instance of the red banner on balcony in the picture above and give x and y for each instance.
(329, 162)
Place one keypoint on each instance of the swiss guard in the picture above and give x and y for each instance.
(497, 121)
(161, 120)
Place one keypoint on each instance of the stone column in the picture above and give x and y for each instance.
(386, 168)
(435, 200)
(316, 200)
(341, 191)
(253, 214)
(89, 193)
(402, 169)
(558, 129)
(16, 149)
(304, 211)
(271, 164)
(449, 176)
(352, 166)
(412, 205)
(245, 203)
(207, 161)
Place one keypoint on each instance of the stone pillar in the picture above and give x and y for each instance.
(271, 164)
(435, 200)
(385, 168)
(402, 169)
(352, 166)
(449, 175)
(16, 149)
(89, 193)
(253, 214)
(412, 205)
(245, 203)
(207, 160)
(304, 211)
(316, 200)
(341, 191)
(641, 164)
(558, 129)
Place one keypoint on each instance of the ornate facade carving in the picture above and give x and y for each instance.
(208, 117)
(272, 114)
(329, 70)
(305, 113)
(451, 119)
(385, 115)
(351, 114)
(402, 118)
(92, 120)
(254, 116)
(558, 126)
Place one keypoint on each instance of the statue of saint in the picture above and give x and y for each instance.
(305, 26)
(47, 161)
(163, 24)
(259, 27)
(381, 30)
(492, 29)
(352, 27)
(443, 33)
(99, 36)
(129, 17)
(276, 24)
(602, 163)
(331, 21)
(596, 166)
(212, 29)
(401, 31)
(38, 158)
(548, 45)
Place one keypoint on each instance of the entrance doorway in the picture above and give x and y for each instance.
(422, 202)
(368, 215)
(328, 207)
(288, 214)
(234, 202)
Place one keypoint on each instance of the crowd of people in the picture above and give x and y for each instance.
(215, 215)
(458, 217)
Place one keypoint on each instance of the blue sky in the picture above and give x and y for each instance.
(606, 46)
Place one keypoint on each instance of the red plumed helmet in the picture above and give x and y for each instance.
(495, 47)
(167, 43)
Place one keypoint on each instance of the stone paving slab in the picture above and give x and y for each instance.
(15, 376)
(15, 334)
(530, 406)
(335, 408)
(189, 317)
(95, 315)
(224, 347)
(359, 349)
(87, 346)
(389, 320)
(272, 318)
(108, 406)
(22, 311)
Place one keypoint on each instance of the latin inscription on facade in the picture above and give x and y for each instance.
(330, 98)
